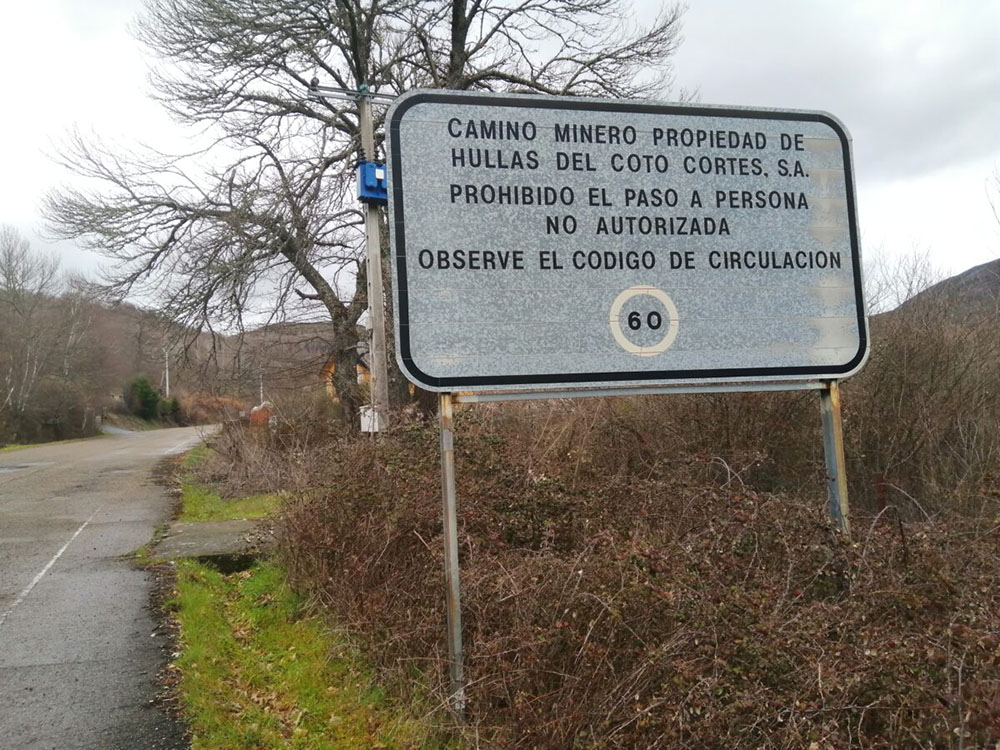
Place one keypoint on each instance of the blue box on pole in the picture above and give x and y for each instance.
(373, 185)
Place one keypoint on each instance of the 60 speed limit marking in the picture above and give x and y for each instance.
(650, 319)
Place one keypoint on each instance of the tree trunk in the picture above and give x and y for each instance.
(345, 383)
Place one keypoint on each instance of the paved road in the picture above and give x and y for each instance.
(79, 649)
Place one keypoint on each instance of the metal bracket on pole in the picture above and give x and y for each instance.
(833, 449)
(316, 91)
(456, 686)
(477, 397)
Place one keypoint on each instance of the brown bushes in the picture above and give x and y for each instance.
(612, 609)
(204, 408)
(923, 418)
(658, 573)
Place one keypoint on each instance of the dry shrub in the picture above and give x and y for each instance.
(616, 609)
(923, 418)
(743, 439)
(206, 408)
(274, 457)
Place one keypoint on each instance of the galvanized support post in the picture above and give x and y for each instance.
(456, 689)
(833, 449)
(376, 300)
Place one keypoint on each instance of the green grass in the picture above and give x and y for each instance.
(22, 446)
(17, 447)
(197, 456)
(256, 671)
(200, 503)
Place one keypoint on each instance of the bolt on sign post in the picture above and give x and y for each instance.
(563, 247)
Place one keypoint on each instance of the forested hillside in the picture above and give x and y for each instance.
(66, 354)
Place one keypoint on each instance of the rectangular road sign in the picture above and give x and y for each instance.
(544, 242)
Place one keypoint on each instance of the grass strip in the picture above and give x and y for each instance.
(200, 503)
(18, 447)
(256, 671)
(196, 456)
(21, 446)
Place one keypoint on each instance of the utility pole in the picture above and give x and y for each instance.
(166, 369)
(376, 299)
(373, 246)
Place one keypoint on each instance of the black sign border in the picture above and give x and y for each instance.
(505, 382)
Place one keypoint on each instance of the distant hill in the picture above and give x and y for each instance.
(119, 342)
(126, 341)
(132, 341)
(970, 297)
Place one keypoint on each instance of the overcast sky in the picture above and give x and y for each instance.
(916, 83)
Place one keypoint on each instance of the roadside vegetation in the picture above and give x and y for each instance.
(21, 446)
(201, 503)
(257, 665)
(46, 357)
(258, 670)
(659, 572)
(605, 608)
(71, 361)
(145, 402)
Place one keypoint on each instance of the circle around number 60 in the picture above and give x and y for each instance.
(616, 327)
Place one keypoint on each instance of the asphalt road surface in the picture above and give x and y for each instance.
(79, 648)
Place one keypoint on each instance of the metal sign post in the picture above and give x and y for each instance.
(833, 450)
(456, 688)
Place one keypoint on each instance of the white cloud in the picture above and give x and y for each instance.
(946, 212)
(917, 83)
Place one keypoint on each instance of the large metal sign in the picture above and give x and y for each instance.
(541, 242)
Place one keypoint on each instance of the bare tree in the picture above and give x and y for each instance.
(891, 280)
(565, 47)
(44, 325)
(261, 225)
(27, 283)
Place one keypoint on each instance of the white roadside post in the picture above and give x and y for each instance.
(166, 369)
